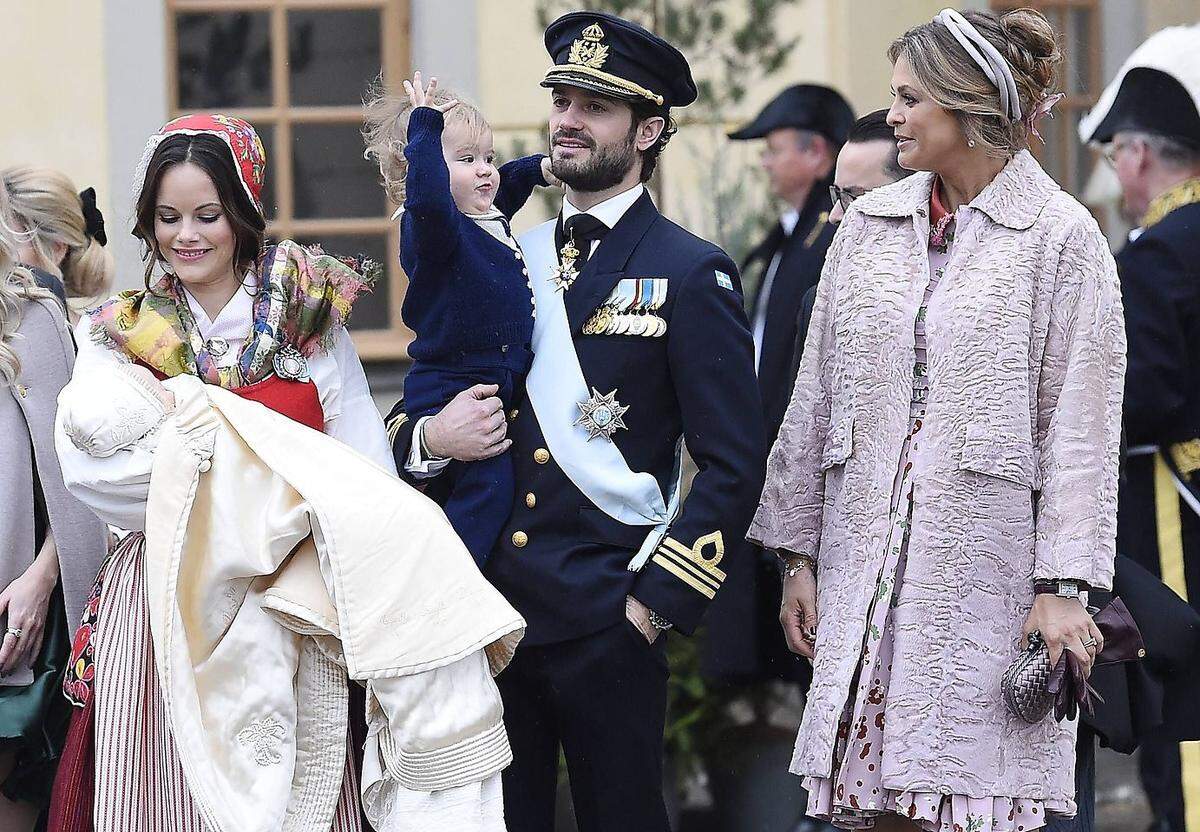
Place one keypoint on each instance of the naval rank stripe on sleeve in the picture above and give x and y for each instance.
(686, 570)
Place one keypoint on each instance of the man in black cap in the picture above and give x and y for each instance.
(803, 128)
(1152, 131)
(641, 346)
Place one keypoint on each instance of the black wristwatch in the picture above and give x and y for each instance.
(1061, 587)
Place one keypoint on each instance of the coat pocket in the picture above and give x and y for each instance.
(990, 451)
(597, 527)
(839, 442)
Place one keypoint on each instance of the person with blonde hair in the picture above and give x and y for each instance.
(50, 544)
(61, 231)
(945, 481)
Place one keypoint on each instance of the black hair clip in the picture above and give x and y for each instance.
(93, 220)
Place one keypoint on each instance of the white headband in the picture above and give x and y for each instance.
(990, 61)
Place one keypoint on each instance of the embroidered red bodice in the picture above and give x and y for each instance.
(298, 400)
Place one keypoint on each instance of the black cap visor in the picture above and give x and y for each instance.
(599, 81)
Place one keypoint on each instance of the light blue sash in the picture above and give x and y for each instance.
(556, 386)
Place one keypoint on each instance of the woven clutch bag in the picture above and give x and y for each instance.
(1025, 686)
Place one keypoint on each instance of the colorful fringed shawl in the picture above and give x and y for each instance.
(302, 298)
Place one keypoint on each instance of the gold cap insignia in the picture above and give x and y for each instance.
(588, 50)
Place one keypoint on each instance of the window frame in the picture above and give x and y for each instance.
(395, 15)
(1072, 103)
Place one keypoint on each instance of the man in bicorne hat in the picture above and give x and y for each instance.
(1149, 120)
(641, 346)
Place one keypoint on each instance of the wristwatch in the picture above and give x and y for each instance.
(1061, 587)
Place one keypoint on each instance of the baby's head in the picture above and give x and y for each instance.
(466, 145)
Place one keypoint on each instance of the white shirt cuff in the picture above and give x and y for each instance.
(417, 464)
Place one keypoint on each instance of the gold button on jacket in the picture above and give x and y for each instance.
(530, 500)
(519, 539)
(541, 456)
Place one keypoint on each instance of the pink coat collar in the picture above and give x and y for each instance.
(1015, 198)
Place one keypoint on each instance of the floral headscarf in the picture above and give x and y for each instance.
(248, 156)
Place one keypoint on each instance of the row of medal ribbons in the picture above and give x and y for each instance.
(630, 308)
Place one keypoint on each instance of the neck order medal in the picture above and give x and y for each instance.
(565, 272)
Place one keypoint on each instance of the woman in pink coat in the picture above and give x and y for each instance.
(946, 474)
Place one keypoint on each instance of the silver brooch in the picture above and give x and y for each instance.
(601, 415)
(290, 364)
(217, 346)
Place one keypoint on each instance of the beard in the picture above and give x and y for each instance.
(604, 168)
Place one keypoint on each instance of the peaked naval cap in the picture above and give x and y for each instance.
(249, 158)
(607, 54)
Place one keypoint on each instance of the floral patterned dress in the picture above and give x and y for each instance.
(854, 797)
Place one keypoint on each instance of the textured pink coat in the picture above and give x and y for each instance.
(1015, 472)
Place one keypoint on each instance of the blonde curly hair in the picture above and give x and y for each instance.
(17, 286)
(385, 131)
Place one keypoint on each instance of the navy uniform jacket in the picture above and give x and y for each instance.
(1161, 291)
(560, 560)
(744, 640)
(802, 258)
(1160, 287)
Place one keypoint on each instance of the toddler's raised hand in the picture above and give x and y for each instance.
(422, 96)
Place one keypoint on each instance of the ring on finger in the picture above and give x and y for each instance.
(1089, 643)
(15, 632)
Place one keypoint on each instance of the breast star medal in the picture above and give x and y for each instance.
(601, 415)
(565, 272)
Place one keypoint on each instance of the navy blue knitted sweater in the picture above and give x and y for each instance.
(466, 290)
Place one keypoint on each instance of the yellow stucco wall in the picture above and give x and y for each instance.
(53, 92)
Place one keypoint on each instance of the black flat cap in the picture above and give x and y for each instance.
(1151, 101)
(604, 53)
(805, 107)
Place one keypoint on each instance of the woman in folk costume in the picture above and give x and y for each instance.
(195, 422)
(945, 480)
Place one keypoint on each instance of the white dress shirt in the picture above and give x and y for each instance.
(789, 220)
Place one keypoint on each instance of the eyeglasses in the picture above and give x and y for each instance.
(843, 195)
(1112, 149)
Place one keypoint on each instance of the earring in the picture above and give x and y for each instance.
(970, 142)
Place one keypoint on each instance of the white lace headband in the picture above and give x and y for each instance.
(989, 59)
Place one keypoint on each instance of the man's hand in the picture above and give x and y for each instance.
(639, 616)
(471, 427)
(798, 614)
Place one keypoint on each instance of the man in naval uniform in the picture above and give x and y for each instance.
(802, 129)
(1151, 127)
(641, 346)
